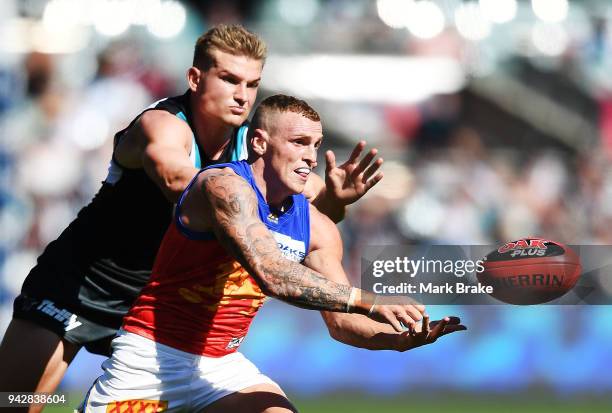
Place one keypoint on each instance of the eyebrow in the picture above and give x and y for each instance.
(226, 72)
(302, 135)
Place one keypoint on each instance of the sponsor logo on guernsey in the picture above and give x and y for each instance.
(291, 249)
(137, 406)
(234, 343)
(63, 316)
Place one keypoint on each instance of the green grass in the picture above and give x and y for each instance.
(439, 403)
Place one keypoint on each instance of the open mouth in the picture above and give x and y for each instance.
(303, 172)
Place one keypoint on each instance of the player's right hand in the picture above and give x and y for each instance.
(399, 316)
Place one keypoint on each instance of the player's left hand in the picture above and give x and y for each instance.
(351, 180)
(428, 332)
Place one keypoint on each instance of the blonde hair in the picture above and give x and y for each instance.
(233, 39)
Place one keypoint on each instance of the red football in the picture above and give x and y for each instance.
(530, 271)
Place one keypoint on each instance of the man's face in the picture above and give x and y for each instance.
(228, 89)
(292, 151)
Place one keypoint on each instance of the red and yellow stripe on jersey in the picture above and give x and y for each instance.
(199, 298)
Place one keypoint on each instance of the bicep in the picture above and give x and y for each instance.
(232, 207)
(165, 152)
(325, 250)
(163, 161)
(329, 263)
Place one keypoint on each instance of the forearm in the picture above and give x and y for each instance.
(174, 182)
(303, 287)
(334, 209)
(359, 331)
(170, 172)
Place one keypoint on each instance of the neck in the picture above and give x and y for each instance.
(212, 134)
(275, 197)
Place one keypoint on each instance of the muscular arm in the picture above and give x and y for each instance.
(326, 257)
(159, 143)
(355, 329)
(231, 206)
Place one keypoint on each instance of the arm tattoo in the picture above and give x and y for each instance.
(233, 208)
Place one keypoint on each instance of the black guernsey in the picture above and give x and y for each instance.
(101, 261)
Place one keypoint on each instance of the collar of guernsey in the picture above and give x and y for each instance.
(291, 228)
(236, 151)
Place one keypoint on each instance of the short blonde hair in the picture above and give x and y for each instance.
(233, 39)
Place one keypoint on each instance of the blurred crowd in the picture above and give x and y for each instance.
(55, 146)
(449, 184)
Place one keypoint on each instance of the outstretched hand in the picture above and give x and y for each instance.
(428, 332)
(351, 180)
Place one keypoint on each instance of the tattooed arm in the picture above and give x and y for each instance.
(231, 205)
(224, 202)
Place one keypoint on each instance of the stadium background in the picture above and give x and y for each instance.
(495, 121)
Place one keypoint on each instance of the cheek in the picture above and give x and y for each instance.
(216, 88)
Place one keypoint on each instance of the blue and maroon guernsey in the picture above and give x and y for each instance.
(200, 299)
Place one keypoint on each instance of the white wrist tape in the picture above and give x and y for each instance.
(350, 304)
(373, 305)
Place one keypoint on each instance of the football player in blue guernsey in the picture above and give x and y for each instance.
(243, 231)
(85, 281)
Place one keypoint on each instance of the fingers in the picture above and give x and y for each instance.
(425, 325)
(452, 321)
(420, 307)
(364, 163)
(414, 312)
(399, 317)
(449, 324)
(372, 169)
(356, 152)
(395, 322)
(383, 314)
(410, 315)
(438, 328)
(330, 161)
(407, 323)
(451, 329)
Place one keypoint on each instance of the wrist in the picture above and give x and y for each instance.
(360, 302)
(350, 304)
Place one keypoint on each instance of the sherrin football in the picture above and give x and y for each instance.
(530, 271)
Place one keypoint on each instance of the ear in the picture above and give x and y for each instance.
(193, 78)
(259, 141)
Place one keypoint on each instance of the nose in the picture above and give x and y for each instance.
(240, 94)
(310, 156)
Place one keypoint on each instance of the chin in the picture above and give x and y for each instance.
(298, 189)
(234, 120)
